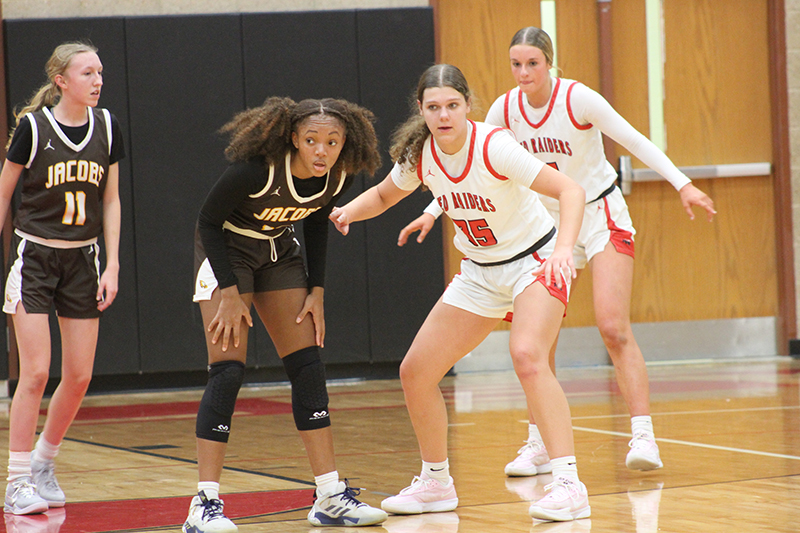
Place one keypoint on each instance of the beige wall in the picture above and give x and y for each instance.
(17, 9)
(793, 75)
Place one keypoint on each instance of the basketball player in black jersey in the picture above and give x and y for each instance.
(289, 161)
(65, 150)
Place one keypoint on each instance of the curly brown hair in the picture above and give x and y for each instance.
(267, 131)
(409, 138)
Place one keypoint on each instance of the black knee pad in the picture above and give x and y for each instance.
(309, 393)
(219, 400)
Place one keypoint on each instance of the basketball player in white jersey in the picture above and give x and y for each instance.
(65, 150)
(560, 121)
(487, 185)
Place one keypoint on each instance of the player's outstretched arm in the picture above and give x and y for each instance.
(368, 204)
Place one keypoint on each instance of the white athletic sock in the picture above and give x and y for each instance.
(533, 434)
(642, 424)
(565, 467)
(19, 465)
(46, 451)
(438, 471)
(211, 489)
(327, 483)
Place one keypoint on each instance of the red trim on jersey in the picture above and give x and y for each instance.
(549, 108)
(569, 111)
(620, 238)
(505, 109)
(467, 168)
(486, 156)
(559, 294)
(419, 169)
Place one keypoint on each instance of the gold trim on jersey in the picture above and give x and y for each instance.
(250, 233)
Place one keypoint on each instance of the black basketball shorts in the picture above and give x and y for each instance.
(41, 277)
(259, 265)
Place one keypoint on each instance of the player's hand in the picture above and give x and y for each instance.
(340, 219)
(314, 305)
(423, 224)
(108, 287)
(228, 319)
(558, 269)
(691, 195)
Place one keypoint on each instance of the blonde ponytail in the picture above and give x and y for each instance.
(49, 93)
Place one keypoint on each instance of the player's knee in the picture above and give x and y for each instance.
(413, 374)
(615, 333)
(219, 400)
(77, 380)
(309, 391)
(530, 362)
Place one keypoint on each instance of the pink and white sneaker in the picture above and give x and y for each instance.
(423, 496)
(531, 459)
(643, 454)
(566, 500)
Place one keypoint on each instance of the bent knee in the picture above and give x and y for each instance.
(34, 380)
(530, 364)
(413, 373)
(77, 382)
(615, 334)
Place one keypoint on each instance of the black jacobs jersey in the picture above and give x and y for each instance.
(267, 213)
(63, 182)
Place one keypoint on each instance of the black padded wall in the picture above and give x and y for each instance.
(185, 80)
(173, 82)
(29, 44)
(300, 55)
(404, 283)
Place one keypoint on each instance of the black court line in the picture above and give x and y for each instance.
(189, 461)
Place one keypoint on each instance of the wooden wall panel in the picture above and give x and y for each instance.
(629, 48)
(717, 89)
(474, 35)
(577, 46)
(693, 270)
(715, 74)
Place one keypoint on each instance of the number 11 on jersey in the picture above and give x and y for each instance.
(75, 210)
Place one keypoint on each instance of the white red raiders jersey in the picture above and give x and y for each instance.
(556, 137)
(496, 216)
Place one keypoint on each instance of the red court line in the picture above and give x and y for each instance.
(119, 515)
(251, 406)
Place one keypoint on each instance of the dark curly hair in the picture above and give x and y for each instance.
(267, 131)
(409, 138)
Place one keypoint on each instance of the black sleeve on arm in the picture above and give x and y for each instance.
(117, 143)
(20, 149)
(315, 232)
(239, 180)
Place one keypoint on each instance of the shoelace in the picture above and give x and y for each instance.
(415, 485)
(532, 445)
(567, 484)
(24, 488)
(211, 508)
(348, 497)
(639, 438)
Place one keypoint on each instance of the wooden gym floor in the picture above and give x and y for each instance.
(729, 434)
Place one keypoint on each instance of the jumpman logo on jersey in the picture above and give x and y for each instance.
(429, 173)
(276, 192)
(49, 144)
